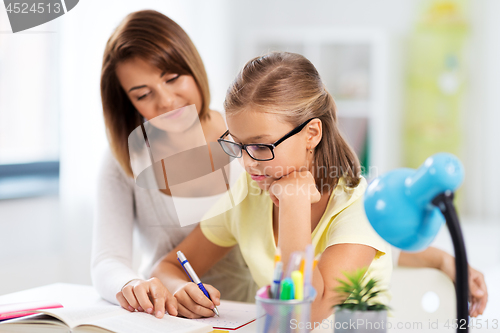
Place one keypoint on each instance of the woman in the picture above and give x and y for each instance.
(150, 67)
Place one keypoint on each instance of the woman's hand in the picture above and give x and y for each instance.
(192, 302)
(139, 295)
(478, 293)
(296, 183)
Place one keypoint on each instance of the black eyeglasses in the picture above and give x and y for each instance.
(257, 151)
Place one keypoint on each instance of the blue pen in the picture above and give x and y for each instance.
(192, 275)
(275, 287)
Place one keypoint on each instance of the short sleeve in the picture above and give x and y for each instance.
(222, 228)
(217, 228)
(352, 226)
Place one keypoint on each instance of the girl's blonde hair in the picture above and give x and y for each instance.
(288, 85)
(157, 39)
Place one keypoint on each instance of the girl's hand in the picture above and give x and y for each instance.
(193, 303)
(139, 295)
(478, 293)
(296, 183)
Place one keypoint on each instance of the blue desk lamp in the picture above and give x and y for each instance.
(407, 208)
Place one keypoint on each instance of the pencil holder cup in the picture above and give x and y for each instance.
(280, 316)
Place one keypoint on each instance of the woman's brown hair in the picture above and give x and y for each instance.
(157, 39)
(287, 84)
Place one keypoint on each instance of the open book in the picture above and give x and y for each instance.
(14, 310)
(101, 319)
(111, 318)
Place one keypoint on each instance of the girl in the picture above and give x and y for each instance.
(302, 186)
(150, 67)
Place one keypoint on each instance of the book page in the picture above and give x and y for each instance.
(13, 310)
(37, 323)
(75, 316)
(133, 322)
(232, 315)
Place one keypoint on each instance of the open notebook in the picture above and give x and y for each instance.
(115, 319)
(233, 315)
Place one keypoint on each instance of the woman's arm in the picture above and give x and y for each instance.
(111, 269)
(435, 258)
(430, 257)
(111, 261)
(202, 255)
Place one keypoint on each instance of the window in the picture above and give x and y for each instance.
(29, 124)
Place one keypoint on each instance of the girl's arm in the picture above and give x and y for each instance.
(202, 254)
(295, 193)
(334, 260)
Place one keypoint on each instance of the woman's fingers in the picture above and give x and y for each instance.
(171, 304)
(158, 295)
(163, 299)
(123, 302)
(150, 296)
(128, 293)
(141, 292)
(478, 290)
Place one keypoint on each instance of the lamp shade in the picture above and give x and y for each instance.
(399, 205)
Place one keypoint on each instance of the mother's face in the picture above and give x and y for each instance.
(154, 93)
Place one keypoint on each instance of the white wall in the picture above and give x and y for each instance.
(326, 14)
(482, 117)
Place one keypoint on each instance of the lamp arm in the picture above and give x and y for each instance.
(444, 202)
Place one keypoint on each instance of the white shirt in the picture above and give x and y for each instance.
(122, 206)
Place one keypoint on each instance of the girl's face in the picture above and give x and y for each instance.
(290, 155)
(154, 93)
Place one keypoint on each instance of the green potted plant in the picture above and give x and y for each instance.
(358, 311)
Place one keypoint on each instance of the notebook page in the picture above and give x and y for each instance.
(232, 315)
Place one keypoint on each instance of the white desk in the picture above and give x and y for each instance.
(72, 295)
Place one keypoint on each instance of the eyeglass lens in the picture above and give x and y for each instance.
(259, 152)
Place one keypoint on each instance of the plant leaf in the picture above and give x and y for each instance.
(358, 291)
